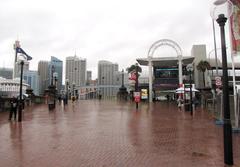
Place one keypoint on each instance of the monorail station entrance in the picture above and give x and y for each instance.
(165, 75)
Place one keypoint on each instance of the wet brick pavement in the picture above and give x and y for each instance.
(112, 134)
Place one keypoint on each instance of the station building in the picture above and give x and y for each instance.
(165, 72)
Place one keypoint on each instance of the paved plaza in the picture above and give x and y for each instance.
(92, 133)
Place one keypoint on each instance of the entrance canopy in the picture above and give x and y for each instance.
(165, 61)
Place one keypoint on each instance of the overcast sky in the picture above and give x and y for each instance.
(118, 31)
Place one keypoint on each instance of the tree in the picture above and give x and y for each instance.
(133, 67)
(203, 66)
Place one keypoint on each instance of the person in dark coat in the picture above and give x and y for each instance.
(13, 111)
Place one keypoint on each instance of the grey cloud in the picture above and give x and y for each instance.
(116, 32)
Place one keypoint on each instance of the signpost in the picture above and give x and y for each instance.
(137, 97)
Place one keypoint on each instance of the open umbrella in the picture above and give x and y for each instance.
(181, 90)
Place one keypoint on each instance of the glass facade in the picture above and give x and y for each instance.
(166, 73)
(32, 79)
(58, 68)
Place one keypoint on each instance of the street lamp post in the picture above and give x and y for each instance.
(52, 71)
(136, 83)
(55, 75)
(73, 91)
(67, 84)
(190, 69)
(221, 19)
(52, 90)
(73, 87)
(184, 89)
(20, 98)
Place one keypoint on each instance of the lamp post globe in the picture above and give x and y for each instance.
(222, 10)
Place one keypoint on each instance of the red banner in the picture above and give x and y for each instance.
(235, 27)
(137, 99)
(133, 76)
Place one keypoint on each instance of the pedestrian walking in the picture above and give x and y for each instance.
(13, 111)
(59, 99)
(73, 99)
(179, 103)
(167, 96)
(65, 99)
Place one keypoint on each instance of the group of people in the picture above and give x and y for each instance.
(64, 97)
(180, 102)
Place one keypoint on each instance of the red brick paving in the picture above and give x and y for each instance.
(112, 134)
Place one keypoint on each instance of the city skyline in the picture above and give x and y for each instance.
(106, 30)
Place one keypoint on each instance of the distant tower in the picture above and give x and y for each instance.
(76, 70)
(106, 78)
(43, 73)
(89, 77)
(58, 69)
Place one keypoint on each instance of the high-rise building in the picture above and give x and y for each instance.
(32, 79)
(76, 71)
(44, 78)
(56, 65)
(199, 53)
(6, 73)
(107, 78)
(121, 76)
(89, 77)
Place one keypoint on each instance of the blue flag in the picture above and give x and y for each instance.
(20, 50)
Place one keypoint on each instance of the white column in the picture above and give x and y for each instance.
(150, 79)
(180, 69)
(234, 93)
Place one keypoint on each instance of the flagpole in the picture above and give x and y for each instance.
(15, 46)
(15, 60)
(20, 107)
(215, 47)
(14, 67)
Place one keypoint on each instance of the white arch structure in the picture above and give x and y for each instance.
(151, 51)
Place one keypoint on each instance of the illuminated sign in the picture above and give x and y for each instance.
(144, 94)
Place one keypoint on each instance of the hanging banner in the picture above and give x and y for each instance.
(133, 76)
(235, 27)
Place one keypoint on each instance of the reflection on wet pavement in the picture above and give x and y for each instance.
(112, 133)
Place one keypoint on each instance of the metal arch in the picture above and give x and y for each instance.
(151, 51)
(157, 46)
(161, 42)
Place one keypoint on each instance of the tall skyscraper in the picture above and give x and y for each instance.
(89, 77)
(32, 79)
(107, 78)
(56, 65)
(76, 71)
(44, 79)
